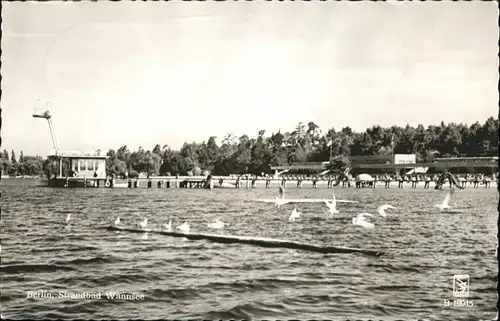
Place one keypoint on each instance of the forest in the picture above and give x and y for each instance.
(305, 143)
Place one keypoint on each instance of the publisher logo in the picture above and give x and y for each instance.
(461, 285)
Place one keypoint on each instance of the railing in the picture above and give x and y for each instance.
(368, 158)
(466, 159)
(432, 165)
(469, 163)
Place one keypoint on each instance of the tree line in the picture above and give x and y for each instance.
(306, 143)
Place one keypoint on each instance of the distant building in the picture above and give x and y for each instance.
(383, 159)
(467, 160)
(400, 163)
(84, 165)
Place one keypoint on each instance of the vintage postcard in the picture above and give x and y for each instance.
(249, 160)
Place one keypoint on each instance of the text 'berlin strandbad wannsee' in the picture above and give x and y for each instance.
(109, 295)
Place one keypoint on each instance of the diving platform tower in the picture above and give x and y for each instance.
(82, 166)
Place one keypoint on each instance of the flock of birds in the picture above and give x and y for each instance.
(360, 219)
(183, 228)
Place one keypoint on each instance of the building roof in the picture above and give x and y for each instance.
(78, 155)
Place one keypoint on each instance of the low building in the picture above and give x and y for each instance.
(88, 165)
(402, 163)
(79, 168)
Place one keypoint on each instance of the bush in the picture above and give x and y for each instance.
(196, 171)
(339, 164)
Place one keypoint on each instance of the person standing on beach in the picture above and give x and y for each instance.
(315, 181)
(387, 181)
(427, 182)
(400, 181)
(414, 181)
(268, 181)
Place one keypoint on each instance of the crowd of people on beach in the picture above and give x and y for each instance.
(475, 180)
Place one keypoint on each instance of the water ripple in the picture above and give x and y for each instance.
(182, 279)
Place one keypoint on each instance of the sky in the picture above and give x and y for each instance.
(147, 73)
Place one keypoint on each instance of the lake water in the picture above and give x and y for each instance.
(177, 278)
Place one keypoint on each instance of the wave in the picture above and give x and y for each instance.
(183, 279)
(90, 260)
(249, 311)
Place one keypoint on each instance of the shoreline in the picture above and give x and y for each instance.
(261, 183)
(308, 184)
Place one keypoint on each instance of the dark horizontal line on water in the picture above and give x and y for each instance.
(256, 241)
(20, 268)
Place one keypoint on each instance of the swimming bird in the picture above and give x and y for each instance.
(280, 202)
(184, 227)
(68, 218)
(117, 221)
(294, 215)
(169, 225)
(332, 205)
(444, 205)
(216, 224)
(381, 209)
(361, 220)
(281, 199)
(144, 223)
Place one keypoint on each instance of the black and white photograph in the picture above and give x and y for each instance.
(249, 160)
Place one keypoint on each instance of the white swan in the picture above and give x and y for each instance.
(217, 224)
(144, 223)
(295, 214)
(117, 221)
(361, 220)
(332, 205)
(382, 208)
(445, 204)
(184, 227)
(68, 218)
(281, 199)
